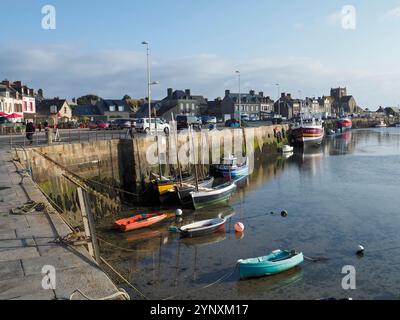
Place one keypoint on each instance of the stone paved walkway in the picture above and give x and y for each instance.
(26, 246)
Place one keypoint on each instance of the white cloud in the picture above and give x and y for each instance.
(67, 72)
(392, 14)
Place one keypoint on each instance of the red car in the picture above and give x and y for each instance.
(100, 125)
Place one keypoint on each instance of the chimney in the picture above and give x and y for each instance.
(187, 91)
(289, 96)
(18, 84)
(261, 94)
(40, 93)
(169, 92)
(31, 92)
(227, 92)
(6, 83)
(252, 92)
(283, 95)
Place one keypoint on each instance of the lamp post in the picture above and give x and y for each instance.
(240, 101)
(148, 80)
(279, 98)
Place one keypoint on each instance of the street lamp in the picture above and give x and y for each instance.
(240, 108)
(279, 98)
(148, 80)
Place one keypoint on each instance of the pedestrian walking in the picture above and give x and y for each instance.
(30, 130)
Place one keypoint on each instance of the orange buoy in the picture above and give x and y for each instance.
(239, 227)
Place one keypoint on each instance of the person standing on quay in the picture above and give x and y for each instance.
(30, 130)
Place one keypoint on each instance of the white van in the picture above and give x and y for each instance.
(143, 125)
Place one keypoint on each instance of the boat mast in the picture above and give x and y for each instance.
(158, 150)
(194, 158)
(176, 147)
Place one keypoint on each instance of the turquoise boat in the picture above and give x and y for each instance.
(276, 262)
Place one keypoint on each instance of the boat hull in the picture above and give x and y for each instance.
(257, 267)
(184, 192)
(344, 124)
(139, 222)
(213, 197)
(308, 136)
(203, 228)
(227, 171)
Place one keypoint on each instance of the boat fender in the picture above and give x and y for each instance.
(239, 227)
(284, 213)
(360, 250)
(179, 212)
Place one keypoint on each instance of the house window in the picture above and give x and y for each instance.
(187, 107)
(65, 110)
(192, 106)
(121, 108)
(112, 108)
(181, 104)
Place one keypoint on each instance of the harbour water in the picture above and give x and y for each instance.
(339, 196)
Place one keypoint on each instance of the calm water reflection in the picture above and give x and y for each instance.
(344, 194)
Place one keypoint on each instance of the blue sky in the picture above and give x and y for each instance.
(198, 44)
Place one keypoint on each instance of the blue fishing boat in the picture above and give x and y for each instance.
(276, 262)
(230, 168)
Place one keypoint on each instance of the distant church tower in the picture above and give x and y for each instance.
(338, 93)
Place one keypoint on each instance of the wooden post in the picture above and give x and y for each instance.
(88, 223)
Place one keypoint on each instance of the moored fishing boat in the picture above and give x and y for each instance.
(381, 124)
(165, 187)
(308, 132)
(139, 221)
(202, 228)
(230, 168)
(344, 124)
(276, 262)
(287, 149)
(186, 188)
(212, 196)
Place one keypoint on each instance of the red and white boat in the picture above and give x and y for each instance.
(344, 124)
(308, 132)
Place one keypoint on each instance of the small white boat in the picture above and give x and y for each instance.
(382, 124)
(287, 149)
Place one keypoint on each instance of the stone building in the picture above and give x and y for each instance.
(251, 104)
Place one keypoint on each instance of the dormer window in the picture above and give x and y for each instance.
(112, 108)
(121, 108)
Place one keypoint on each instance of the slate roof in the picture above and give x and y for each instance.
(44, 106)
(104, 105)
(86, 110)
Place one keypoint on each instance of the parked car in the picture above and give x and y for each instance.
(245, 117)
(208, 120)
(184, 121)
(143, 125)
(119, 124)
(99, 125)
(232, 123)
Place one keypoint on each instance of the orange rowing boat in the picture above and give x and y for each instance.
(139, 221)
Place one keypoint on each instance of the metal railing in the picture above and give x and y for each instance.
(61, 136)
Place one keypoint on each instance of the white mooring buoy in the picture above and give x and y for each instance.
(360, 249)
(179, 212)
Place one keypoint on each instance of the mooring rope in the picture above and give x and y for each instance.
(124, 279)
(121, 292)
